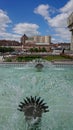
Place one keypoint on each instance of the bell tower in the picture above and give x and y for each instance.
(23, 39)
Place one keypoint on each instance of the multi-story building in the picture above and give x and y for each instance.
(36, 42)
(70, 26)
(48, 39)
(36, 38)
(42, 39)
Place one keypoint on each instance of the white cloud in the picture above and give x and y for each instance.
(63, 33)
(18, 30)
(10, 36)
(59, 21)
(42, 10)
(68, 8)
(26, 28)
(54, 40)
(4, 21)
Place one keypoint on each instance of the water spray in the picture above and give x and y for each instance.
(33, 108)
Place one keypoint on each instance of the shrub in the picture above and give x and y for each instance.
(8, 59)
(6, 49)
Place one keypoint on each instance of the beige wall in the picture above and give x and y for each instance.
(36, 38)
(70, 19)
(71, 47)
(48, 39)
(42, 39)
(70, 26)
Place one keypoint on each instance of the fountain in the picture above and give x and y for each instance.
(39, 66)
(54, 84)
(33, 108)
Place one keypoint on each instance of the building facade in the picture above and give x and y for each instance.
(42, 39)
(70, 26)
(23, 39)
(38, 42)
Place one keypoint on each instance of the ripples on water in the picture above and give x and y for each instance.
(54, 84)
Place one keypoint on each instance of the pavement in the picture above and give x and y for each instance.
(63, 62)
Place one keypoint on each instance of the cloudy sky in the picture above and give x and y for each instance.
(35, 17)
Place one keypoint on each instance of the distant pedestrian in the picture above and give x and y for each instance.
(63, 50)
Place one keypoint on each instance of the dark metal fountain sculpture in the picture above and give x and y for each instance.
(33, 108)
(39, 66)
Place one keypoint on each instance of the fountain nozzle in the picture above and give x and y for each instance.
(33, 107)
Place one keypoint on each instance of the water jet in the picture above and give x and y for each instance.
(33, 108)
(54, 84)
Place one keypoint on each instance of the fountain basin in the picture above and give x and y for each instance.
(53, 84)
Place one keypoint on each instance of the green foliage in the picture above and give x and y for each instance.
(66, 56)
(8, 59)
(26, 58)
(43, 49)
(31, 50)
(29, 58)
(20, 59)
(6, 49)
(36, 50)
(55, 57)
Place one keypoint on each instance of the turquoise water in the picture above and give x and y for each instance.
(54, 84)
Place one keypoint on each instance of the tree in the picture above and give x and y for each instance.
(31, 49)
(43, 49)
(36, 50)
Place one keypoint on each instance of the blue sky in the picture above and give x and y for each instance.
(35, 17)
